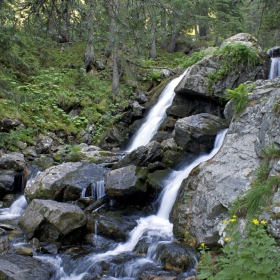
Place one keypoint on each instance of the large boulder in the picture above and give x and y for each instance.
(17, 267)
(12, 166)
(127, 184)
(43, 185)
(53, 221)
(141, 156)
(207, 194)
(196, 133)
(195, 82)
(65, 182)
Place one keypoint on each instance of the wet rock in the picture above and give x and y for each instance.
(274, 52)
(176, 257)
(156, 181)
(11, 166)
(52, 221)
(4, 245)
(7, 124)
(24, 251)
(127, 184)
(18, 267)
(196, 133)
(49, 249)
(171, 158)
(141, 156)
(44, 144)
(113, 225)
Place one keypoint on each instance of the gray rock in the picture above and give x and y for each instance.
(127, 184)
(275, 51)
(141, 156)
(98, 65)
(21, 145)
(53, 221)
(245, 39)
(12, 161)
(195, 82)
(197, 133)
(25, 251)
(141, 97)
(206, 195)
(30, 151)
(43, 185)
(7, 124)
(44, 144)
(4, 245)
(137, 109)
(17, 267)
(169, 144)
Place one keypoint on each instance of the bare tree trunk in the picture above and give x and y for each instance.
(153, 49)
(110, 40)
(116, 77)
(172, 43)
(89, 52)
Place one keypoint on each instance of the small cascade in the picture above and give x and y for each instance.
(96, 229)
(20, 204)
(274, 68)
(155, 116)
(98, 189)
(15, 209)
(157, 229)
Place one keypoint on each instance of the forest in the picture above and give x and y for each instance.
(48, 46)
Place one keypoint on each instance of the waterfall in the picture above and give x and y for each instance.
(19, 205)
(15, 209)
(154, 225)
(274, 68)
(98, 189)
(155, 117)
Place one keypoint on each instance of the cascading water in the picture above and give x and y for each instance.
(155, 225)
(155, 117)
(20, 204)
(274, 68)
(97, 190)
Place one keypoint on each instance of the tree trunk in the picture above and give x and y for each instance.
(110, 39)
(89, 52)
(116, 77)
(172, 43)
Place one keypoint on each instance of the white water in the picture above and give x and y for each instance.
(15, 209)
(97, 190)
(155, 117)
(154, 225)
(274, 68)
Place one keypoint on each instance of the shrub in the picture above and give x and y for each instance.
(250, 258)
(239, 96)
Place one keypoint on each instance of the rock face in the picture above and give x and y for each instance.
(195, 81)
(16, 267)
(197, 133)
(53, 221)
(141, 156)
(11, 166)
(127, 184)
(206, 195)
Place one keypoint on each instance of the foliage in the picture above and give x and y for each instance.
(194, 58)
(262, 188)
(232, 56)
(239, 96)
(252, 257)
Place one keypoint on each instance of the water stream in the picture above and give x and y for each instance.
(156, 227)
(274, 68)
(155, 117)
